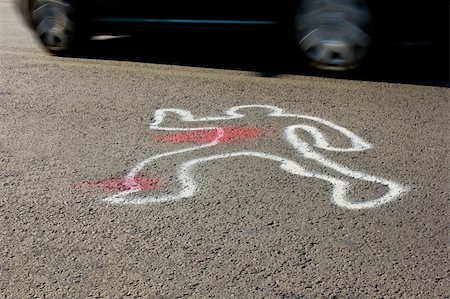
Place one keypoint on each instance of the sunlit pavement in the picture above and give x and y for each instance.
(201, 177)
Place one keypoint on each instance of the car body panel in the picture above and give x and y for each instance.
(332, 34)
(399, 18)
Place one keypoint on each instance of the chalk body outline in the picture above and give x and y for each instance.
(303, 149)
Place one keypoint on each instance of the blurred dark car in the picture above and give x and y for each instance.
(330, 34)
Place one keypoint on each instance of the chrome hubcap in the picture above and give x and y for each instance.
(51, 19)
(334, 33)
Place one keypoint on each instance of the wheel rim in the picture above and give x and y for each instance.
(335, 33)
(52, 20)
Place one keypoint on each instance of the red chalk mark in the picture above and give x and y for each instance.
(229, 135)
(118, 184)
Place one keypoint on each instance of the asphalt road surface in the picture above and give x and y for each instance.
(263, 181)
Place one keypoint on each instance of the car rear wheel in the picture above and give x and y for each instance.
(333, 34)
(54, 24)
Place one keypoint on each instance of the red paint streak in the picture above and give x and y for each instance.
(229, 135)
(118, 184)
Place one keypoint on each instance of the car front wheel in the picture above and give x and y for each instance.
(333, 34)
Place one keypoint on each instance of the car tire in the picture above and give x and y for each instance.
(333, 34)
(55, 24)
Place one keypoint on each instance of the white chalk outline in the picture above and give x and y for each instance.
(305, 150)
